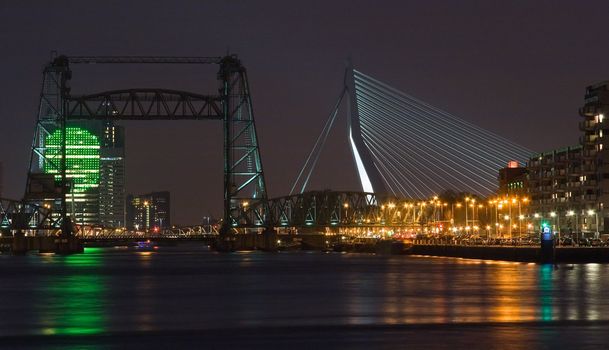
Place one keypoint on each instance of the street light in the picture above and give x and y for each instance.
(458, 206)
(592, 212)
(573, 213)
(346, 206)
(520, 218)
(557, 223)
(466, 200)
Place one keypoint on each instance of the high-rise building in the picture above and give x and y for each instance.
(82, 171)
(595, 157)
(570, 186)
(149, 212)
(94, 169)
(112, 176)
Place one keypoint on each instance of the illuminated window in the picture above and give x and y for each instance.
(82, 157)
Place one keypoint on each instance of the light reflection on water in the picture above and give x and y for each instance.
(72, 303)
(106, 290)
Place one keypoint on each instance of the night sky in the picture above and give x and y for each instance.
(518, 68)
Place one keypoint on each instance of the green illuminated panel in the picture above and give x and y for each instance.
(82, 157)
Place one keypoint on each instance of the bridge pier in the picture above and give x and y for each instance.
(265, 241)
(44, 244)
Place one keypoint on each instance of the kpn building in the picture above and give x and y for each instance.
(95, 171)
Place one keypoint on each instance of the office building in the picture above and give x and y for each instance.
(149, 212)
(112, 177)
(94, 169)
(82, 171)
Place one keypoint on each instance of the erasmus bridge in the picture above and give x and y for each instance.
(404, 151)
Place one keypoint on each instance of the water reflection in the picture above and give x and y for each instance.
(546, 288)
(122, 291)
(460, 290)
(71, 303)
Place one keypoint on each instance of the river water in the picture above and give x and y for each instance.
(188, 297)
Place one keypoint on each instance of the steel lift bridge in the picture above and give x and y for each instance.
(49, 184)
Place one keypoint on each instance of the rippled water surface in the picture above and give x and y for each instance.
(189, 297)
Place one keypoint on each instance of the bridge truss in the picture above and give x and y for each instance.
(338, 209)
(243, 173)
(23, 215)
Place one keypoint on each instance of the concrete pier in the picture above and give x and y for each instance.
(60, 245)
(265, 241)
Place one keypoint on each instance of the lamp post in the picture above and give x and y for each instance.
(478, 215)
(520, 218)
(573, 213)
(473, 206)
(496, 218)
(414, 213)
(509, 218)
(452, 214)
(593, 212)
(466, 200)
(458, 206)
(553, 215)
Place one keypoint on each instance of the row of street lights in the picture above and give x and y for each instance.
(571, 213)
(510, 209)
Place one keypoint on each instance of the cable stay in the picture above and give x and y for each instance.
(317, 148)
(408, 148)
(420, 150)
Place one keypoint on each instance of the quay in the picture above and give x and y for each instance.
(513, 253)
(272, 242)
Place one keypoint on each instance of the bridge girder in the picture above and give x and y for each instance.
(144, 104)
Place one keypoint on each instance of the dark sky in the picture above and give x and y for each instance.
(518, 68)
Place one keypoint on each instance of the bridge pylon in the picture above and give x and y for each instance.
(245, 196)
(46, 179)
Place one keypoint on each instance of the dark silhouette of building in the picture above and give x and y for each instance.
(112, 211)
(513, 180)
(149, 212)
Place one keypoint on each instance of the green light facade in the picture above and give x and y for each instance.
(82, 157)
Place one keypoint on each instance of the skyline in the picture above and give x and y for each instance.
(470, 73)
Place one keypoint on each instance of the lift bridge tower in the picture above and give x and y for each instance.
(60, 167)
